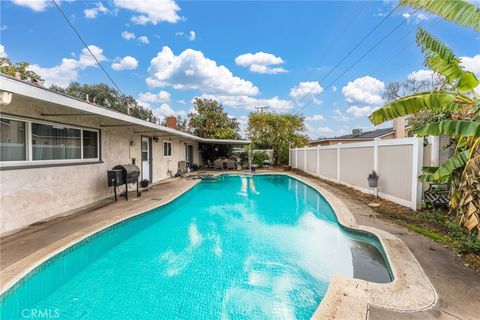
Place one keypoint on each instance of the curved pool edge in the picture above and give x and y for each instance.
(350, 298)
(15, 273)
(346, 298)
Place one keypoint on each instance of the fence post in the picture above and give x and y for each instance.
(417, 162)
(375, 154)
(318, 160)
(305, 159)
(435, 151)
(296, 158)
(338, 162)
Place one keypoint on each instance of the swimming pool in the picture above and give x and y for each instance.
(239, 247)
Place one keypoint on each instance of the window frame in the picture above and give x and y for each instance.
(29, 145)
(171, 149)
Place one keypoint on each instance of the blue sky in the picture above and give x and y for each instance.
(245, 54)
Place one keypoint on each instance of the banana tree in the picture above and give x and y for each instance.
(462, 104)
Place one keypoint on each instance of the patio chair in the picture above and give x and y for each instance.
(437, 195)
(218, 164)
(231, 164)
(209, 164)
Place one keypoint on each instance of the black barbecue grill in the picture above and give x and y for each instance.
(123, 174)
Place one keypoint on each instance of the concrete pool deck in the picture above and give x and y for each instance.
(457, 286)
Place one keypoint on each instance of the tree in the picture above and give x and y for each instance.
(279, 132)
(208, 120)
(11, 69)
(107, 97)
(462, 104)
(397, 90)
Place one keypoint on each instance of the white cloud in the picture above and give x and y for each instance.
(192, 70)
(334, 89)
(306, 91)
(472, 64)
(340, 116)
(3, 27)
(35, 5)
(315, 117)
(67, 71)
(125, 63)
(149, 97)
(165, 110)
(367, 90)
(151, 11)
(316, 132)
(128, 35)
(92, 13)
(421, 75)
(260, 62)
(250, 103)
(417, 18)
(192, 35)
(359, 112)
(3, 53)
(144, 39)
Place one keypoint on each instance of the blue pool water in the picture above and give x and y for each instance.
(261, 247)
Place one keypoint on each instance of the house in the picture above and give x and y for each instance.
(55, 151)
(399, 130)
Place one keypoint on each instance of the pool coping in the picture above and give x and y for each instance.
(346, 298)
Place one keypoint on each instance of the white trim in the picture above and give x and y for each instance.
(417, 162)
(375, 154)
(29, 144)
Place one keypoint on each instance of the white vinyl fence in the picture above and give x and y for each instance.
(398, 163)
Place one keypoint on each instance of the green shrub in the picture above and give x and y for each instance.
(259, 157)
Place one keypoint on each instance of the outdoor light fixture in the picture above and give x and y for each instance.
(155, 138)
(5, 98)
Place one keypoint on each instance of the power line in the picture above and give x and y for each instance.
(360, 59)
(349, 53)
(86, 46)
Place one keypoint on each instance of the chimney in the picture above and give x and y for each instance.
(357, 131)
(399, 127)
(18, 75)
(172, 122)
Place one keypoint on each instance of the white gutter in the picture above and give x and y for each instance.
(40, 93)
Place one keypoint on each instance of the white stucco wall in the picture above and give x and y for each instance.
(34, 194)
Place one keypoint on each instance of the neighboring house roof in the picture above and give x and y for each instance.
(368, 135)
(28, 89)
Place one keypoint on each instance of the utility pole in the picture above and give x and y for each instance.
(261, 109)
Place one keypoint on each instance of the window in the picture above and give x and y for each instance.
(12, 140)
(167, 149)
(90, 144)
(30, 141)
(52, 142)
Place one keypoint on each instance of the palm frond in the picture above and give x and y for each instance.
(439, 101)
(442, 60)
(456, 128)
(460, 12)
